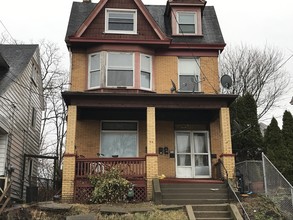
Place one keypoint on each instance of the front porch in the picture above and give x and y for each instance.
(146, 130)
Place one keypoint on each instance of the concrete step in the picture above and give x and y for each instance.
(193, 190)
(212, 211)
(193, 201)
(193, 185)
(203, 196)
(209, 207)
(212, 214)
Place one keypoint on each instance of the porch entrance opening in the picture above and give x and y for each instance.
(193, 158)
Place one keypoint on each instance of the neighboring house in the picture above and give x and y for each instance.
(145, 94)
(21, 104)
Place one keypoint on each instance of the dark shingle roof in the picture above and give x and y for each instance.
(79, 12)
(211, 29)
(17, 57)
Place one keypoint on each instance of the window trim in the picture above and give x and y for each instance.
(194, 59)
(130, 11)
(89, 70)
(117, 131)
(133, 69)
(151, 71)
(194, 13)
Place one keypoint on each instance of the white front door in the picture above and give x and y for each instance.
(193, 158)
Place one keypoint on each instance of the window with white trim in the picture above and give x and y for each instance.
(189, 75)
(94, 71)
(145, 71)
(119, 139)
(120, 70)
(121, 21)
(187, 23)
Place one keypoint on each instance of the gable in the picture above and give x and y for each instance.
(17, 57)
(97, 27)
(94, 26)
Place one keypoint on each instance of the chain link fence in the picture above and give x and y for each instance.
(263, 177)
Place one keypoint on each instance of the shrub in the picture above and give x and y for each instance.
(109, 187)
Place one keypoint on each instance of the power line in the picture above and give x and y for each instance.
(8, 32)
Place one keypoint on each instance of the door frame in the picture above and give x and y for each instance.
(191, 133)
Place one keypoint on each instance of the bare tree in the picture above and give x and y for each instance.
(53, 130)
(258, 72)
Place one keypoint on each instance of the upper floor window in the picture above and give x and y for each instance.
(120, 69)
(34, 75)
(145, 71)
(121, 21)
(33, 117)
(94, 71)
(189, 75)
(187, 23)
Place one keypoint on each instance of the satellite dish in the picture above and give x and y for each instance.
(226, 81)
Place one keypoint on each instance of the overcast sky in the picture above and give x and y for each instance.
(257, 23)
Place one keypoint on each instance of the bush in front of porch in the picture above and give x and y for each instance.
(110, 186)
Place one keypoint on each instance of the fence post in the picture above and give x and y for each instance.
(264, 174)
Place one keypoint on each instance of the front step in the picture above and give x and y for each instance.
(193, 193)
(212, 212)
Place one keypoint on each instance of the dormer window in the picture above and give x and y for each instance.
(187, 23)
(121, 21)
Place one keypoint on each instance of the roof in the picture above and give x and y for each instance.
(17, 58)
(211, 29)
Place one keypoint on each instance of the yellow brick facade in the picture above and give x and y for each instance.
(79, 72)
(226, 143)
(166, 69)
(69, 156)
(209, 75)
(166, 138)
(83, 137)
(151, 157)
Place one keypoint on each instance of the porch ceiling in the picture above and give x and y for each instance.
(160, 101)
(176, 115)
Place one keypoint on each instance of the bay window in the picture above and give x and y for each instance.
(120, 69)
(94, 71)
(146, 71)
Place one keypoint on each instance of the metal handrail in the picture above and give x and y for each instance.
(244, 213)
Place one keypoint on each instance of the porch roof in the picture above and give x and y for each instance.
(143, 100)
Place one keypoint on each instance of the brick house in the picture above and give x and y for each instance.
(145, 94)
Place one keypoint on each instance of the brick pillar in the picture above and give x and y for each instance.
(227, 156)
(69, 156)
(151, 156)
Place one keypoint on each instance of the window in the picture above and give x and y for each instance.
(189, 75)
(33, 117)
(34, 74)
(119, 139)
(121, 21)
(187, 23)
(145, 71)
(120, 70)
(94, 71)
